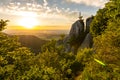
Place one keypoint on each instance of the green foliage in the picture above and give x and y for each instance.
(99, 22)
(104, 63)
(20, 63)
(104, 16)
(50, 46)
(54, 56)
(13, 58)
(8, 44)
(107, 49)
(32, 42)
(62, 36)
(3, 23)
(84, 56)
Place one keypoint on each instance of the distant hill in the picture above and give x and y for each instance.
(49, 36)
(32, 42)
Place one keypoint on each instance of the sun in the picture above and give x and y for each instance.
(28, 22)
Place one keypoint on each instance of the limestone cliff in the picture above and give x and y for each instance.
(79, 36)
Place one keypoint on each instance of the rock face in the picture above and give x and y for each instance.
(79, 36)
(87, 43)
(88, 21)
(75, 37)
(77, 28)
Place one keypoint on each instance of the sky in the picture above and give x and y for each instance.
(47, 14)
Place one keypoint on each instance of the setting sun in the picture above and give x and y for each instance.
(28, 22)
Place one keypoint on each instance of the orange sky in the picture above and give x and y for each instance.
(31, 20)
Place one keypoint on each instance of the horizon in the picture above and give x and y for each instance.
(35, 32)
(37, 27)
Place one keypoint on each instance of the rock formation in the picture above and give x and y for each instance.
(88, 21)
(79, 36)
(76, 35)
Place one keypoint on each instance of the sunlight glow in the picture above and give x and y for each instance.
(28, 22)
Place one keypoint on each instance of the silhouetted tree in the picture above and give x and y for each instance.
(3, 23)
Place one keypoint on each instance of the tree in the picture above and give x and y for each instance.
(3, 23)
(109, 13)
(107, 49)
(104, 63)
(17, 62)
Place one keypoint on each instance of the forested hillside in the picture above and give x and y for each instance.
(32, 42)
(101, 62)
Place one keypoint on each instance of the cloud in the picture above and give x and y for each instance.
(96, 3)
(45, 3)
(42, 10)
